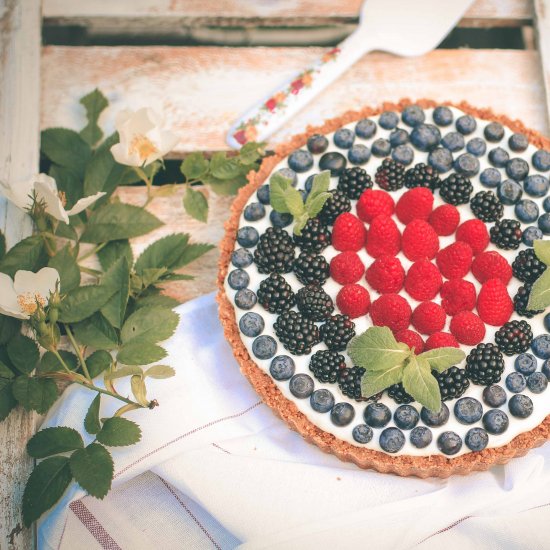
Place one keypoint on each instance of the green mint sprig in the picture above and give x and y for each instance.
(387, 362)
(540, 292)
(287, 200)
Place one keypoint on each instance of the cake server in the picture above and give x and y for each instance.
(400, 27)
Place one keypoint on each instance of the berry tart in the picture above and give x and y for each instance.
(383, 284)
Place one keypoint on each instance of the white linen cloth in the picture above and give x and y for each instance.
(215, 468)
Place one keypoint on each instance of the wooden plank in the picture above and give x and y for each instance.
(202, 90)
(542, 26)
(19, 153)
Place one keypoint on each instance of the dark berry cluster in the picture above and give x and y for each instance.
(452, 383)
(514, 337)
(527, 267)
(390, 175)
(422, 175)
(349, 382)
(326, 365)
(399, 395)
(311, 268)
(336, 204)
(274, 252)
(297, 333)
(456, 189)
(485, 364)
(314, 302)
(337, 331)
(486, 206)
(275, 294)
(506, 234)
(521, 299)
(353, 181)
(315, 236)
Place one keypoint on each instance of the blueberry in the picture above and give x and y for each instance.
(301, 386)
(252, 325)
(342, 414)
(421, 437)
(466, 124)
(406, 417)
(442, 115)
(399, 137)
(359, 154)
(403, 154)
(321, 400)
(525, 363)
(467, 164)
(377, 415)
(537, 382)
(365, 128)
(309, 182)
(392, 440)
(300, 161)
(547, 322)
(526, 211)
(441, 159)
(238, 279)
(490, 177)
(241, 258)
(544, 223)
(531, 234)
(546, 204)
(546, 367)
(317, 144)
(425, 137)
(263, 194)
(468, 410)
(520, 406)
(247, 236)
(245, 299)
(476, 439)
(494, 132)
(509, 192)
(413, 115)
(289, 174)
(518, 142)
(434, 419)
(476, 146)
(362, 433)
(517, 169)
(449, 443)
(541, 346)
(541, 160)
(279, 219)
(516, 382)
(453, 141)
(388, 120)
(282, 367)
(494, 396)
(536, 185)
(381, 147)
(335, 162)
(254, 211)
(344, 138)
(499, 157)
(264, 347)
(495, 421)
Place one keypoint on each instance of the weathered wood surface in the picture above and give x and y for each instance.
(19, 146)
(542, 27)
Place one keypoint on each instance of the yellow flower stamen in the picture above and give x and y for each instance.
(143, 146)
(63, 198)
(28, 302)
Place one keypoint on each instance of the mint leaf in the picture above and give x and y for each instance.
(160, 371)
(28, 254)
(542, 250)
(294, 202)
(92, 423)
(316, 205)
(66, 148)
(278, 185)
(53, 441)
(35, 394)
(50, 363)
(419, 382)
(117, 278)
(195, 204)
(300, 223)
(98, 362)
(93, 469)
(96, 332)
(83, 302)
(94, 103)
(7, 400)
(65, 263)
(194, 166)
(378, 380)
(114, 250)
(540, 292)
(440, 359)
(137, 352)
(151, 325)
(320, 185)
(23, 353)
(119, 432)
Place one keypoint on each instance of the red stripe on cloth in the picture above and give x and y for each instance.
(94, 527)
(448, 528)
(220, 448)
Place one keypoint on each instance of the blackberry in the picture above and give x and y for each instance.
(527, 267)
(390, 175)
(456, 189)
(399, 395)
(337, 331)
(314, 237)
(275, 251)
(326, 365)
(275, 294)
(422, 175)
(336, 204)
(349, 382)
(297, 333)
(486, 206)
(514, 337)
(310, 268)
(353, 181)
(485, 364)
(452, 383)
(506, 234)
(314, 302)
(520, 302)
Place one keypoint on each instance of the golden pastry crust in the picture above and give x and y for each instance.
(403, 465)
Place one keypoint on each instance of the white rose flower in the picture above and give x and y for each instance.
(142, 140)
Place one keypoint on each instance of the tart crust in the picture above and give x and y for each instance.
(403, 465)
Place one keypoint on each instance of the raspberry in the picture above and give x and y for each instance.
(412, 339)
(441, 340)
(467, 328)
(444, 219)
(423, 280)
(494, 305)
(386, 275)
(346, 268)
(391, 310)
(353, 300)
(491, 265)
(419, 241)
(454, 261)
(348, 233)
(414, 204)
(458, 295)
(374, 202)
(428, 317)
(473, 232)
(383, 237)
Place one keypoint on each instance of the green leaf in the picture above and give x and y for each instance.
(119, 432)
(136, 352)
(3, 246)
(378, 380)
(66, 231)
(35, 394)
(300, 223)
(316, 205)
(139, 390)
(224, 187)
(50, 363)
(151, 325)
(103, 173)
(7, 400)
(278, 185)
(69, 182)
(250, 152)
(440, 359)
(542, 250)
(53, 441)
(121, 372)
(117, 221)
(320, 185)
(195, 204)
(294, 202)
(9, 327)
(191, 252)
(28, 254)
(66, 148)
(540, 292)
(114, 250)
(83, 302)
(99, 361)
(92, 423)
(23, 353)
(224, 168)
(96, 332)
(160, 371)
(93, 469)
(155, 300)
(46, 485)
(94, 103)
(419, 382)
(5, 371)
(194, 166)
(118, 277)
(69, 273)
